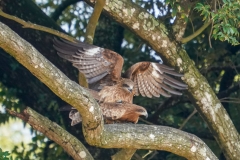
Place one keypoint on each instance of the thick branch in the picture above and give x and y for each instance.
(113, 136)
(156, 34)
(156, 137)
(54, 79)
(54, 132)
(128, 136)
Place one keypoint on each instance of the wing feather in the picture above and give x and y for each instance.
(146, 86)
(170, 90)
(94, 62)
(136, 91)
(173, 85)
(153, 86)
(174, 81)
(140, 85)
(153, 79)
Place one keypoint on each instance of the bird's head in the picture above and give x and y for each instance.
(128, 85)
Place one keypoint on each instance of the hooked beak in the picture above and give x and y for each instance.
(145, 115)
(130, 89)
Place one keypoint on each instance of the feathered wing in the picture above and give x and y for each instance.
(94, 62)
(153, 79)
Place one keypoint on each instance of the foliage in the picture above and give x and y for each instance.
(4, 155)
(7, 98)
(177, 8)
(225, 17)
(210, 61)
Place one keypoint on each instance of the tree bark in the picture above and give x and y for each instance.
(158, 37)
(108, 136)
(56, 133)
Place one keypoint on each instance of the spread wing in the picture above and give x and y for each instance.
(152, 79)
(94, 62)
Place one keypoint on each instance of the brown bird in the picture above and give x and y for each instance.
(114, 112)
(103, 68)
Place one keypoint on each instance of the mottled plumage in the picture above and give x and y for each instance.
(117, 112)
(123, 91)
(103, 67)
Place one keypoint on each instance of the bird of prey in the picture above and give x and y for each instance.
(113, 112)
(103, 71)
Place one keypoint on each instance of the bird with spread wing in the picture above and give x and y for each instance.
(103, 71)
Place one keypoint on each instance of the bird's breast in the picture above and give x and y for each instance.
(114, 94)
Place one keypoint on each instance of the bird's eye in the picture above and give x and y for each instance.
(125, 85)
(140, 110)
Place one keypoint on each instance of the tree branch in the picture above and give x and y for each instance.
(180, 22)
(127, 135)
(90, 30)
(45, 71)
(166, 104)
(125, 154)
(111, 136)
(227, 92)
(89, 35)
(54, 132)
(37, 27)
(195, 34)
(188, 118)
(155, 137)
(143, 24)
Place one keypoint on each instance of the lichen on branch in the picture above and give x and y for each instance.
(106, 136)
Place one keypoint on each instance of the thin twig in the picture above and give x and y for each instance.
(209, 36)
(91, 27)
(230, 100)
(188, 118)
(149, 152)
(154, 153)
(199, 31)
(37, 27)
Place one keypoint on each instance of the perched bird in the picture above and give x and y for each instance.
(113, 112)
(103, 70)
